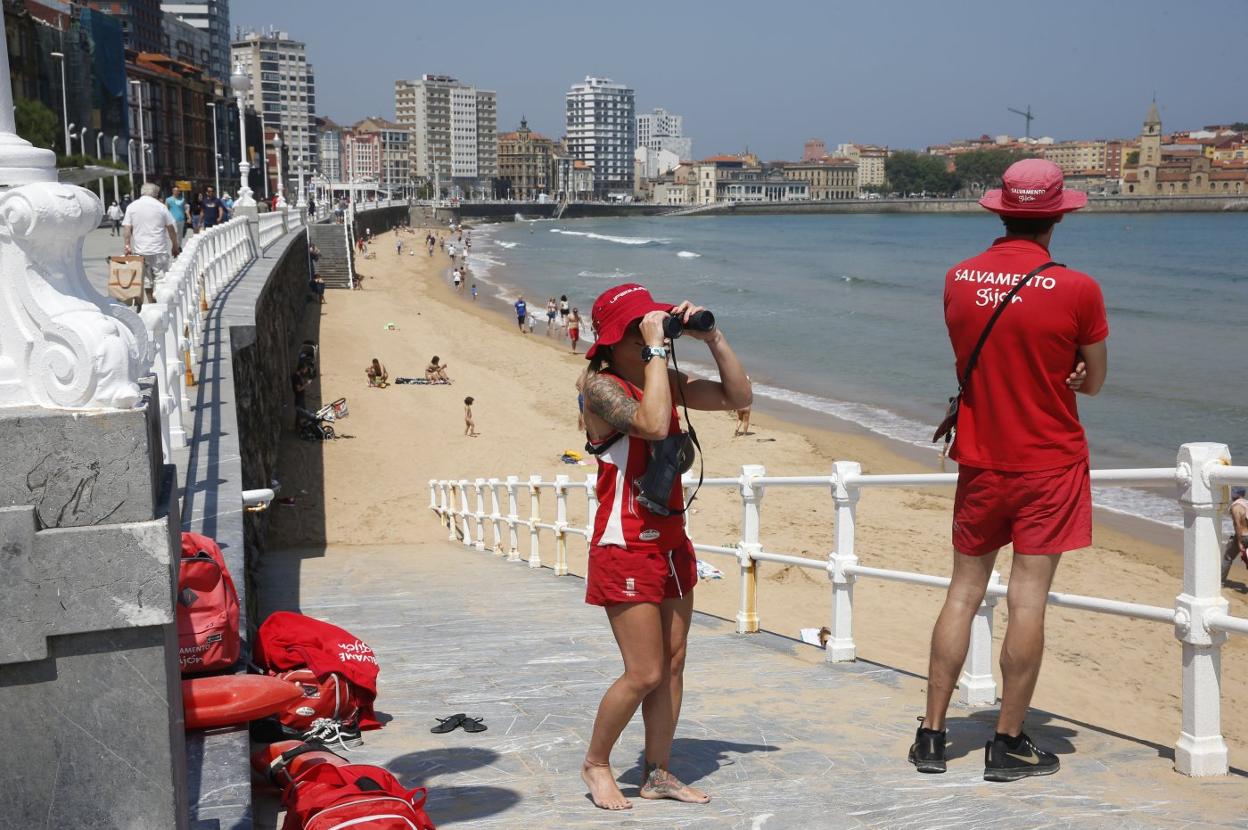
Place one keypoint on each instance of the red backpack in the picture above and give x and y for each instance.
(330, 697)
(355, 796)
(207, 608)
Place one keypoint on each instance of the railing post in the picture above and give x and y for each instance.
(976, 685)
(464, 513)
(561, 525)
(479, 513)
(1200, 749)
(495, 518)
(445, 512)
(433, 495)
(513, 516)
(535, 516)
(452, 533)
(840, 647)
(751, 502)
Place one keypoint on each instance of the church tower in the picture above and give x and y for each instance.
(1150, 152)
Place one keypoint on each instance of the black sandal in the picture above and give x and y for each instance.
(473, 725)
(448, 724)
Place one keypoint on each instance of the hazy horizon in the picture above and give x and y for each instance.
(901, 74)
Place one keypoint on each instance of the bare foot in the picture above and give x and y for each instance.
(602, 787)
(662, 784)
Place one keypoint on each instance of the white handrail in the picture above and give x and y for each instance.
(1199, 616)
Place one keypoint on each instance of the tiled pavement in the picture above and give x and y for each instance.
(781, 739)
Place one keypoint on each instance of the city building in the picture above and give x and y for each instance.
(177, 123)
(329, 142)
(814, 149)
(141, 22)
(212, 17)
(662, 132)
(361, 157)
(602, 132)
(651, 163)
(283, 91)
(726, 178)
(185, 42)
(870, 159)
(1177, 169)
(1077, 157)
(454, 133)
(827, 179)
(526, 164)
(391, 156)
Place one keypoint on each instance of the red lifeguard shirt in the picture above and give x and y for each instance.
(1017, 413)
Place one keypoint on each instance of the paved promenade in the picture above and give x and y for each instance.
(781, 739)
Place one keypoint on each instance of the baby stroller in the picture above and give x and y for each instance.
(313, 426)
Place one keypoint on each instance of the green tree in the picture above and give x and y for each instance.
(1133, 157)
(36, 123)
(909, 172)
(1240, 126)
(980, 169)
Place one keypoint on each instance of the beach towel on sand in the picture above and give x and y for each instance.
(287, 640)
(423, 381)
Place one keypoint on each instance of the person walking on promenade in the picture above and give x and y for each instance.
(176, 204)
(642, 568)
(211, 211)
(1021, 450)
(115, 215)
(1237, 545)
(149, 231)
(522, 311)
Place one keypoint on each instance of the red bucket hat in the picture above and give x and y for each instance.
(1033, 188)
(618, 307)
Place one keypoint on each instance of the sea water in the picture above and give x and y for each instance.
(842, 314)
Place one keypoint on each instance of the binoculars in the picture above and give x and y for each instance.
(674, 327)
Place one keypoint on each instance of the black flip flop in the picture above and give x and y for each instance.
(473, 725)
(448, 724)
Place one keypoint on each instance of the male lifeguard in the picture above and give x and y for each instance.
(1022, 454)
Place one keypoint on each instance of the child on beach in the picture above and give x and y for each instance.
(470, 427)
(574, 328)
(474, 292)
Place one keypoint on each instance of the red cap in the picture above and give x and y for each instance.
(618, 307)
(1033, 188)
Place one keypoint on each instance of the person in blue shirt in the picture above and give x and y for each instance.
(522, 311)
(177, 209)
(211, 211)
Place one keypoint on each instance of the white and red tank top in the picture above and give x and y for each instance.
(621, 520)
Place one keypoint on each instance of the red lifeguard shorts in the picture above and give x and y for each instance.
(617, 575)
(1043, 512)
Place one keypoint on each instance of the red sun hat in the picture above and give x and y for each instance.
(1033, 188)
(616, 308)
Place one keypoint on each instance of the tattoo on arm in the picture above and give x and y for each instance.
(608, 400)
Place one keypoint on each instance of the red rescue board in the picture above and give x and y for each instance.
(234, 699)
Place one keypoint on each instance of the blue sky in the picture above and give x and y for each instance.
(771, 75)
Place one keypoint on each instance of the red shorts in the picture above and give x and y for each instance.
(618, 575)
(1043, 512)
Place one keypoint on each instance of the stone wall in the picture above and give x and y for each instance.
(380, 220)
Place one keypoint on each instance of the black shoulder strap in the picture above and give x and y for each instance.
(983, 337)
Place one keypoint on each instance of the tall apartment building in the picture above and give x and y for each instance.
(183, 41)
(283, 91)
(453, 130)
(870, 160)
(213, 18)
(602, 132)
(140, 22)
(329, 143)
(660, 132)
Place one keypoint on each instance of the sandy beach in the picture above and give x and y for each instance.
(1109, 672)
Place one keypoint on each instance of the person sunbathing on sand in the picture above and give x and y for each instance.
(435, 372)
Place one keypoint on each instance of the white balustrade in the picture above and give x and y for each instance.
(1200, 615)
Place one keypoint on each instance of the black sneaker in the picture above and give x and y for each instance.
(928, 751)
(1009, 759)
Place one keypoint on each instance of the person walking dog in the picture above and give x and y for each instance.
(1027, 334)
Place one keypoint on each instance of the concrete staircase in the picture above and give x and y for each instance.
(335, 265)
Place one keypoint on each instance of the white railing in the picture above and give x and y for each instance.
(348, 232)
(1199, 615)
(208, 262)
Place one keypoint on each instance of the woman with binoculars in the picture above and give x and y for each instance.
(642, 568)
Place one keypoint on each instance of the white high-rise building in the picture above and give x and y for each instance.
(653, 125)
(453, 130)
(602, 132)
(283, 91)
(659, 134)
(213, 17)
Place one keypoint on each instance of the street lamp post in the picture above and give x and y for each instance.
(277, 164)
(130, 164)
(138, 85)
(60, 57)
(240, 83)
(100, 154)
(216, 164)
(116, 189)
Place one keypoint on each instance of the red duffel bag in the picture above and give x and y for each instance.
(207, 608)
(355, 796)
